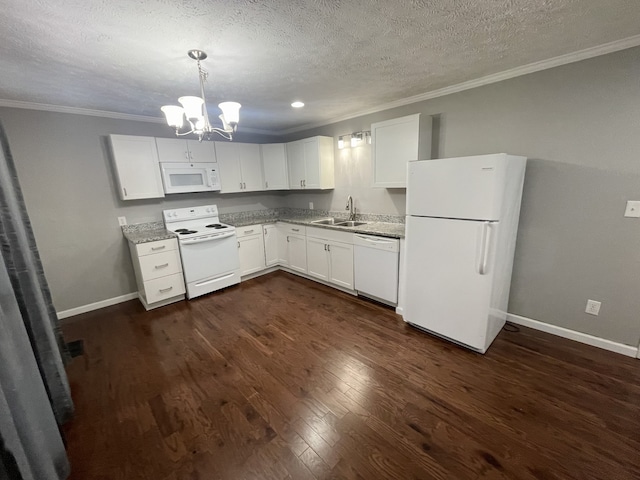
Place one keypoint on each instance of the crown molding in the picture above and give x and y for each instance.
(565, 59)
(102, 113)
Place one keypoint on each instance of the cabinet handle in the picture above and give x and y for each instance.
(287, 238)
(238, 244)
(300, 182)
(295, 229)
(164, 265)
(124, 190)
(240, 185)
(266, 184)
(328, 248)
(304, 183)
(248, 231)
(162, 290)
(325, 247)
(161, 247)
(244, 185)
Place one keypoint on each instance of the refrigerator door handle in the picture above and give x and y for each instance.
(484, 247)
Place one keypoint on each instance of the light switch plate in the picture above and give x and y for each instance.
(122, 221)
(633, 209)
(310, 205)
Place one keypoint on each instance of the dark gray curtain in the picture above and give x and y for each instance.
(34, 392)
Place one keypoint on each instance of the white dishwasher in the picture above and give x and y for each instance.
(376, 262)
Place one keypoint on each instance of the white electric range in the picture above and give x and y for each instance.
(209, 249)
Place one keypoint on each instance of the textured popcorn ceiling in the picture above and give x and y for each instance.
(339, 57)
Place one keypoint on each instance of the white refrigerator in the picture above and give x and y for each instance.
(462, 223)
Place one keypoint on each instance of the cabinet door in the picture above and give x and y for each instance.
(283, 246)
(295, 161)
(251, 251)
(297, 252)
(229, 167)
(271, 256)
(172, 150)
(250, 167)
(341, 261)
(311, 164)
(137, 168)
(317, 258)
(274, 166)
(394, 143)
(201, 152)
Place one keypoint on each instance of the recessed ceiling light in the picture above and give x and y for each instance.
(297, 104)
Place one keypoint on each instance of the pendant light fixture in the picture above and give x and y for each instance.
(194, 109)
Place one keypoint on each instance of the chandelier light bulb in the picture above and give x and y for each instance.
(174, 114)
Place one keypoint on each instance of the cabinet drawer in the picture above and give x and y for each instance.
(248, 230)
(160, 265)
(164, 287)
(156, 247)
(292, 228)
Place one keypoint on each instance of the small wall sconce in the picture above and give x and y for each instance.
(355, 139)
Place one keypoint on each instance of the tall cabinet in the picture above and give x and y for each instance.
(311, 163)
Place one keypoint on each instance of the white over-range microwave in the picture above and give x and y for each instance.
(190, 177)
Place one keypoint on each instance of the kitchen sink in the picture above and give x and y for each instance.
(326, 221)
(350, 223)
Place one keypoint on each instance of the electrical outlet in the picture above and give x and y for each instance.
(633, 209)
(310, 205)
(593, 307)
(122, 221)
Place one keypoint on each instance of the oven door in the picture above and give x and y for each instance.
(189, 177)
(209, 257)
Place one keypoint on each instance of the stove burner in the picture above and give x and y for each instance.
(184, 231)
(217, 226)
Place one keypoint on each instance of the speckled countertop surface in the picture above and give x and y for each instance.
(146, 232)
(382, 229)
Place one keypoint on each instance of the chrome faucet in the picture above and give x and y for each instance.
(350, 207)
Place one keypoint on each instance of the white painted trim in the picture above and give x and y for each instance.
(603, 343)
(565, 59)
(96, 305)
(103, 113)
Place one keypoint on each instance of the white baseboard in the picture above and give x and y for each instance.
(603, 343)
(95, 306)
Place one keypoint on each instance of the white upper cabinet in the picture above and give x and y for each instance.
(136, 162)
(240, 167)
(311, 163)
(274, 166)
(395, 143)
(174, 150)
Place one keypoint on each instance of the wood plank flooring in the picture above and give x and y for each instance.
(283, 378)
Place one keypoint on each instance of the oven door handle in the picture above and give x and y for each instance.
(207, 239)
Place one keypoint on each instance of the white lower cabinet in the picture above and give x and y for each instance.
(271, 244)
(294, 246)
(158, 271)
(330, 256)
(251, 249)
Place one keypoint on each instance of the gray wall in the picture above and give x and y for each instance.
(71, 195)
(579, 125)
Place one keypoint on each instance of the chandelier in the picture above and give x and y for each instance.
(194, 109)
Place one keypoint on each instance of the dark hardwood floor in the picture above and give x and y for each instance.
(281, 377)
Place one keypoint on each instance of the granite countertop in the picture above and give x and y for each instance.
(382, 229)
(146, 232)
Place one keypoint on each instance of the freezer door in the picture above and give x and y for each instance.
(449, 277)
(465, 187)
